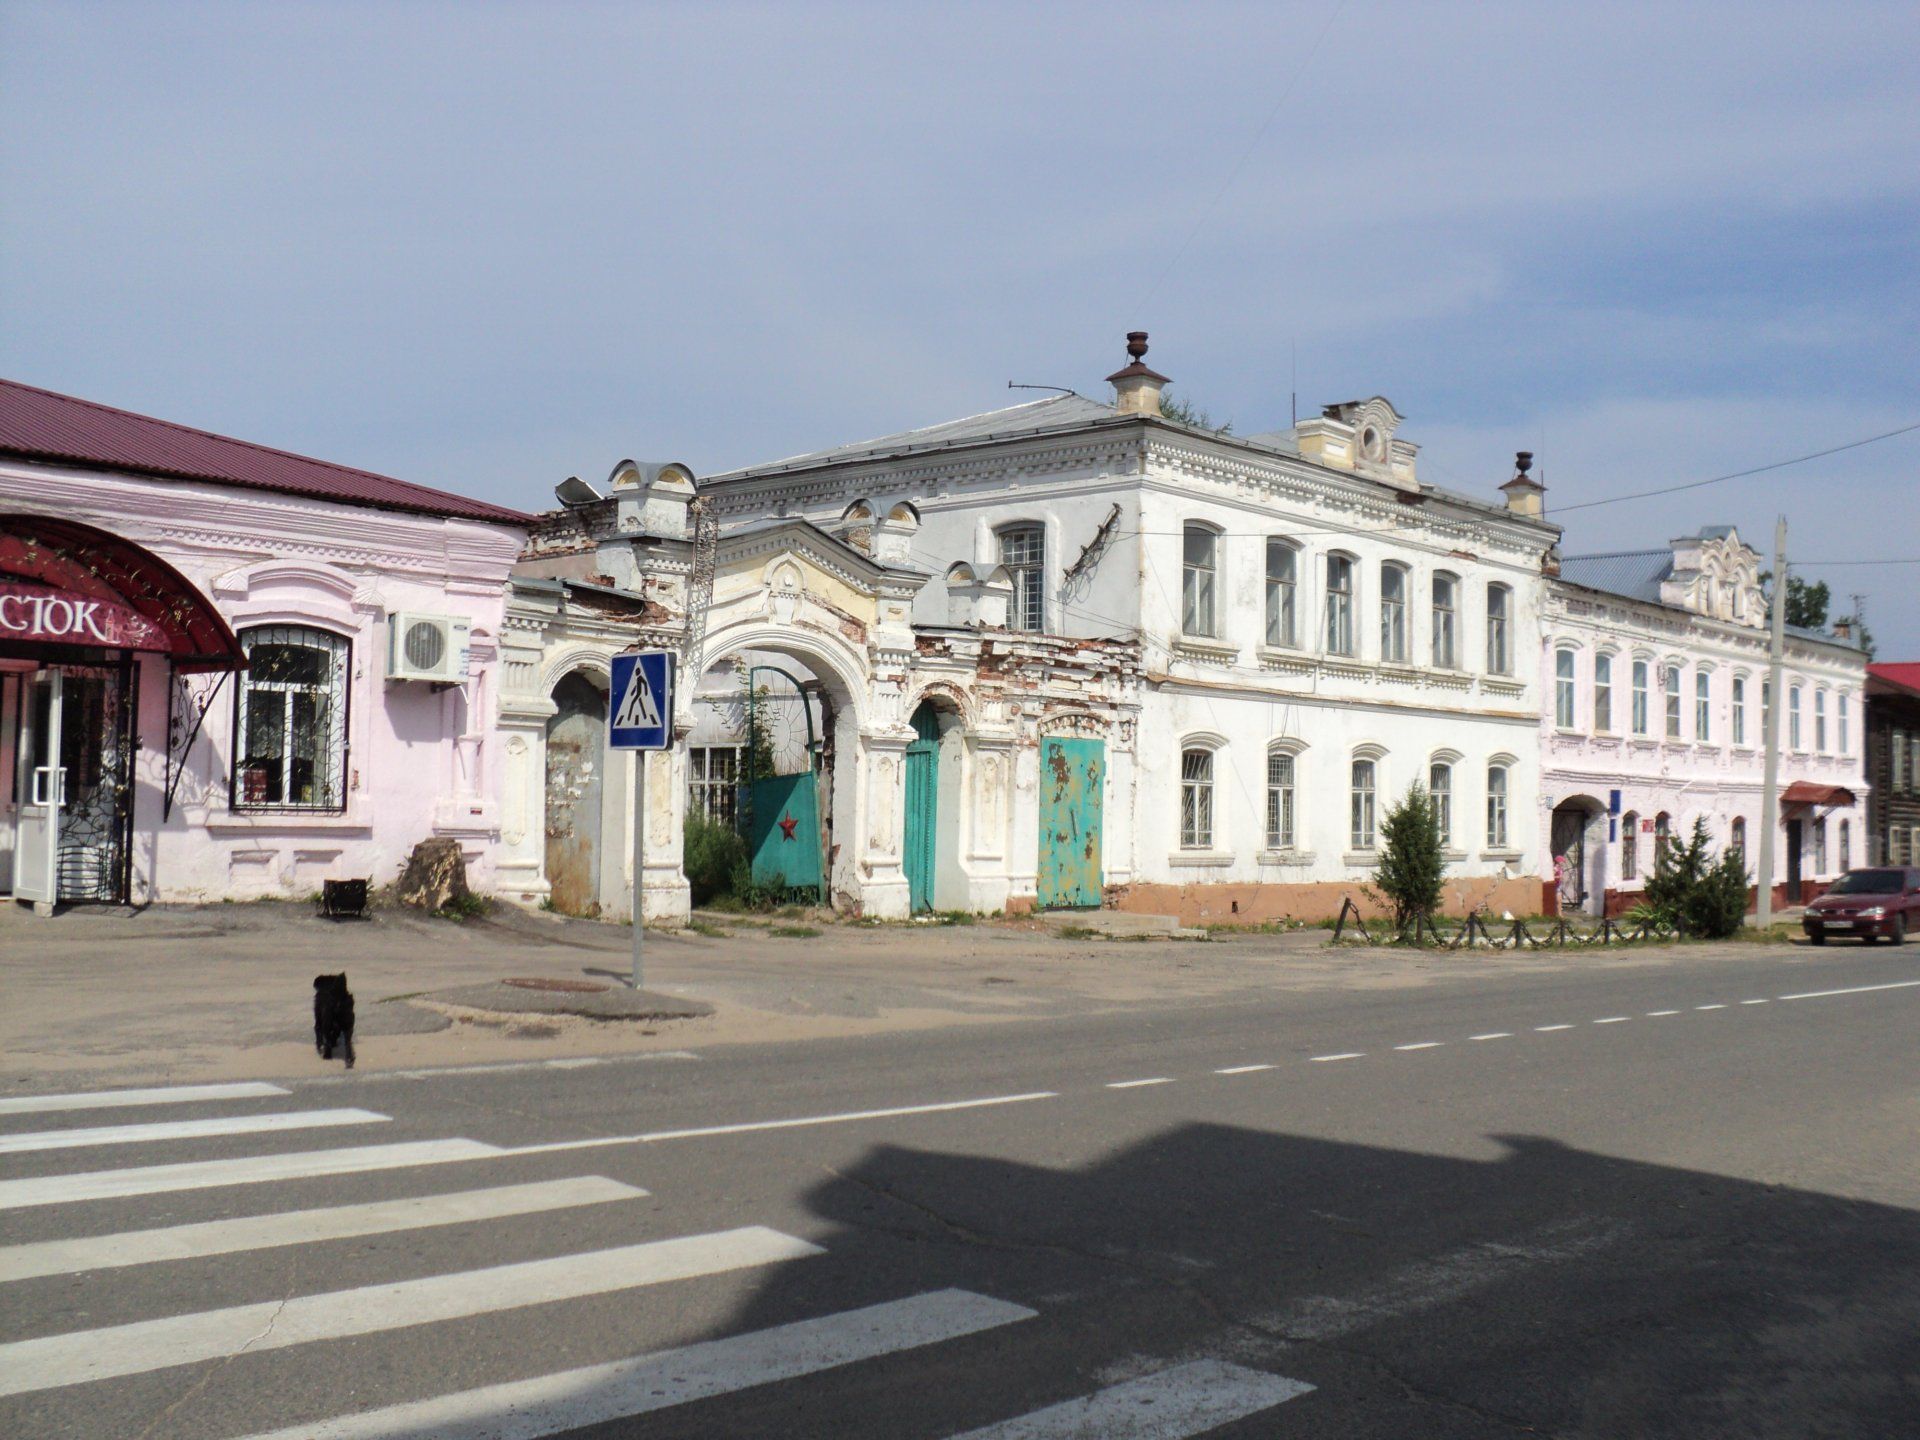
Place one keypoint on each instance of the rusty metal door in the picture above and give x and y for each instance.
(576, 772)
(1072, 786)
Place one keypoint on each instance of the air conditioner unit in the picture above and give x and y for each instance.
(427, 647)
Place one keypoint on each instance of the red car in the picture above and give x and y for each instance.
(1883, 901)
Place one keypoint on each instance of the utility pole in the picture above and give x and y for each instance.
(1770, 787)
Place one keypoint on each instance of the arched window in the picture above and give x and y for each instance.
(1023, 550)
(1603, 694)
(1339, 634)
(1639, 697)
(1738, 842)
(1793, 717)
(1563, 689)
(1630, 846)
(290, 720)
(1283, 564)
(1703, 707)
(1496, 807)
(1280, 806)
(1739, 709)
(1662, 835)
(1820, 846)
(1393, 614)
(1362, 828)
(1446, 635)
(1196, 798)
(1845, 857)
(1197, 575)
(1440, 791)
(1499, 630)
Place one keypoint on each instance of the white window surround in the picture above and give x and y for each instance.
(1200, 580)
(1283, 592)
(1605, 718)
(1566, 670)
(1395, 581)
(1499, 629)
(1340, 608)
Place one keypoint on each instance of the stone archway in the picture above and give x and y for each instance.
(1578, 854)
(576, 796)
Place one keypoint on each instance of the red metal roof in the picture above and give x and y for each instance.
(41, 425)
(1808, 792)
(1905, 674)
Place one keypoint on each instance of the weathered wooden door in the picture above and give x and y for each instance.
(923, 805)
(1072, 785)
(576, 771)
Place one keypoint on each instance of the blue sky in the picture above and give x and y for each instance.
(489, 246)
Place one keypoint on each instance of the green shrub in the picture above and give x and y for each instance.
(712, 855)
(1689, 886)
(1411, 868)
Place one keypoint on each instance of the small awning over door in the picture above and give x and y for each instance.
(64, 584)
(1806, 792)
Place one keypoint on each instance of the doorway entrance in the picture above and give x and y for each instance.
(70, 740)
(923, 807)
(1571, 861)
(1072, 775)
(576, 782)
(1795, 830)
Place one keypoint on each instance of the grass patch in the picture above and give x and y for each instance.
(707, 927)
(794, 932)
(464, 907)
(1078, 932)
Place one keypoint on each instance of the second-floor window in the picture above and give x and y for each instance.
(1702, 707)
(1820, 721)
(1446, 604)
(1793, 717)
(1671, 689)
(1339, 605)
(1639, 697)
(1846, 742)
(1023, 550)
(1499, 630)
(1739, 709)
(1393, 614)
(1603, 693)
(1282, 610)
(1197, 581)
(1563, 689)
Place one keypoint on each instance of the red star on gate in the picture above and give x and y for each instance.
(786, 827)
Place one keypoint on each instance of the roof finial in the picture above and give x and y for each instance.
(1137, 344)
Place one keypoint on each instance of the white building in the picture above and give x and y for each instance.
(1657, 663)
(1317, 630)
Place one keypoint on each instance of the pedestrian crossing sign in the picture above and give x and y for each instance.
(640, 701)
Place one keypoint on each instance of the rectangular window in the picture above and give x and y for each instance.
(1497, 807)
(1499, 655)
(1671, 687)
(1023, 550)
(1897, 759)
(1445, 592)
(1793, 718)
(713, 782)
(1630, 846)
(1846, 738)
(1440, 790)
(1279, 800)
(1639, 697)
(1739, 709)
(1196, 581)
(1196, 800)
(1563, 689)
(1820, 721)
(1846, 847)
(1820, 847)
(1362, 815)
(1603, 694)
(1339, 605)
(1281, 573)
(1393, 614)
(1702, 707)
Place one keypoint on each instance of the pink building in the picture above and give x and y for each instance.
(229, 671)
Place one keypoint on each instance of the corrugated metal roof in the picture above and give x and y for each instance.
(39, 424)
(1905, 674)
(1062, 412)
(1634, 573)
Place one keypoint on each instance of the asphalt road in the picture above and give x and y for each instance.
(1672, 1201)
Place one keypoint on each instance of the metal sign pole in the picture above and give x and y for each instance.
(639, 858)
(639, 719)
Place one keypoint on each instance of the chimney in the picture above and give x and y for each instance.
(1523, 492)
(1843, 628)
(1136, 389)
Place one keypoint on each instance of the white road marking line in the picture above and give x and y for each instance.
(82, 1356)
(1654, 1014)
(1614, 1020)
(503, 1067)
(1709, 1007)
(701, 1131)
(1421, 1045)
(1753, 1002)
(1182, 1401)
(1493, 1035)
(1136, 1084)
(300, 1227)
(1543, 1029)
(1242, 1069)
(1343, 1055)
(1852, 990)
(114, 1099)
(243, 1170)
(185, 1129)
(597, 1394)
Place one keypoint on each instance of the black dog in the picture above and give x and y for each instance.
(332, 1016)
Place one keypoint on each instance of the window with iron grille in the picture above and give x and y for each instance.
(713, 782)
(1630, 846)
(1279, 800)
(1362, 829)
(1023, 550)
(1440, 791)
(290, 720)
(1196, 799)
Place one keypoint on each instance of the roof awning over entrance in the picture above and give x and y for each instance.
(67, 584)
(1806, 792)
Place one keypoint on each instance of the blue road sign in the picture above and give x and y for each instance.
(640, 702)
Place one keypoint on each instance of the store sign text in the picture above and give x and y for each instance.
(31, 612)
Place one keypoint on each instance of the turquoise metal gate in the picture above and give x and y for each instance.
(1072, 787)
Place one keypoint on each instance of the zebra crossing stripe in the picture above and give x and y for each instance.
(185, 1129)
(241, 1170)
(303, 1227)
(555, 1404)
(82, 1356)
(1185, 1400)
(115, 1099)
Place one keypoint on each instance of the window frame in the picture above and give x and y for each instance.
(1394, 625)
(338, 688)
(1444, 620)
(1739, 711)
(1793, 717)
(1819, 722)
(1499, 629)
(1566, 693)
(1630, 846)
(1197, 819)
(1283, 594)
(1283, 799)
(1363, 804)
(1703, 706)
(1346, 611)
(1029, 576)
(1200, 582)
(1641, 713)
(1499, 803)
(1603, 692)
(1442, 796)
(1670, 686)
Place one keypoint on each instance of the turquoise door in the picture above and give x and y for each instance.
(784, 832)
(1072, 786)
(923, 804)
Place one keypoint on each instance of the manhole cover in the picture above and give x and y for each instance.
(570, 987)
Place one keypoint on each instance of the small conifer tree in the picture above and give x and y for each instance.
(1411, 868)
(1692, 888)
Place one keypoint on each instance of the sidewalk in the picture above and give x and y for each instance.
(173, 994)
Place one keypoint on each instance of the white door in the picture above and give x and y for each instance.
(43, 790)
